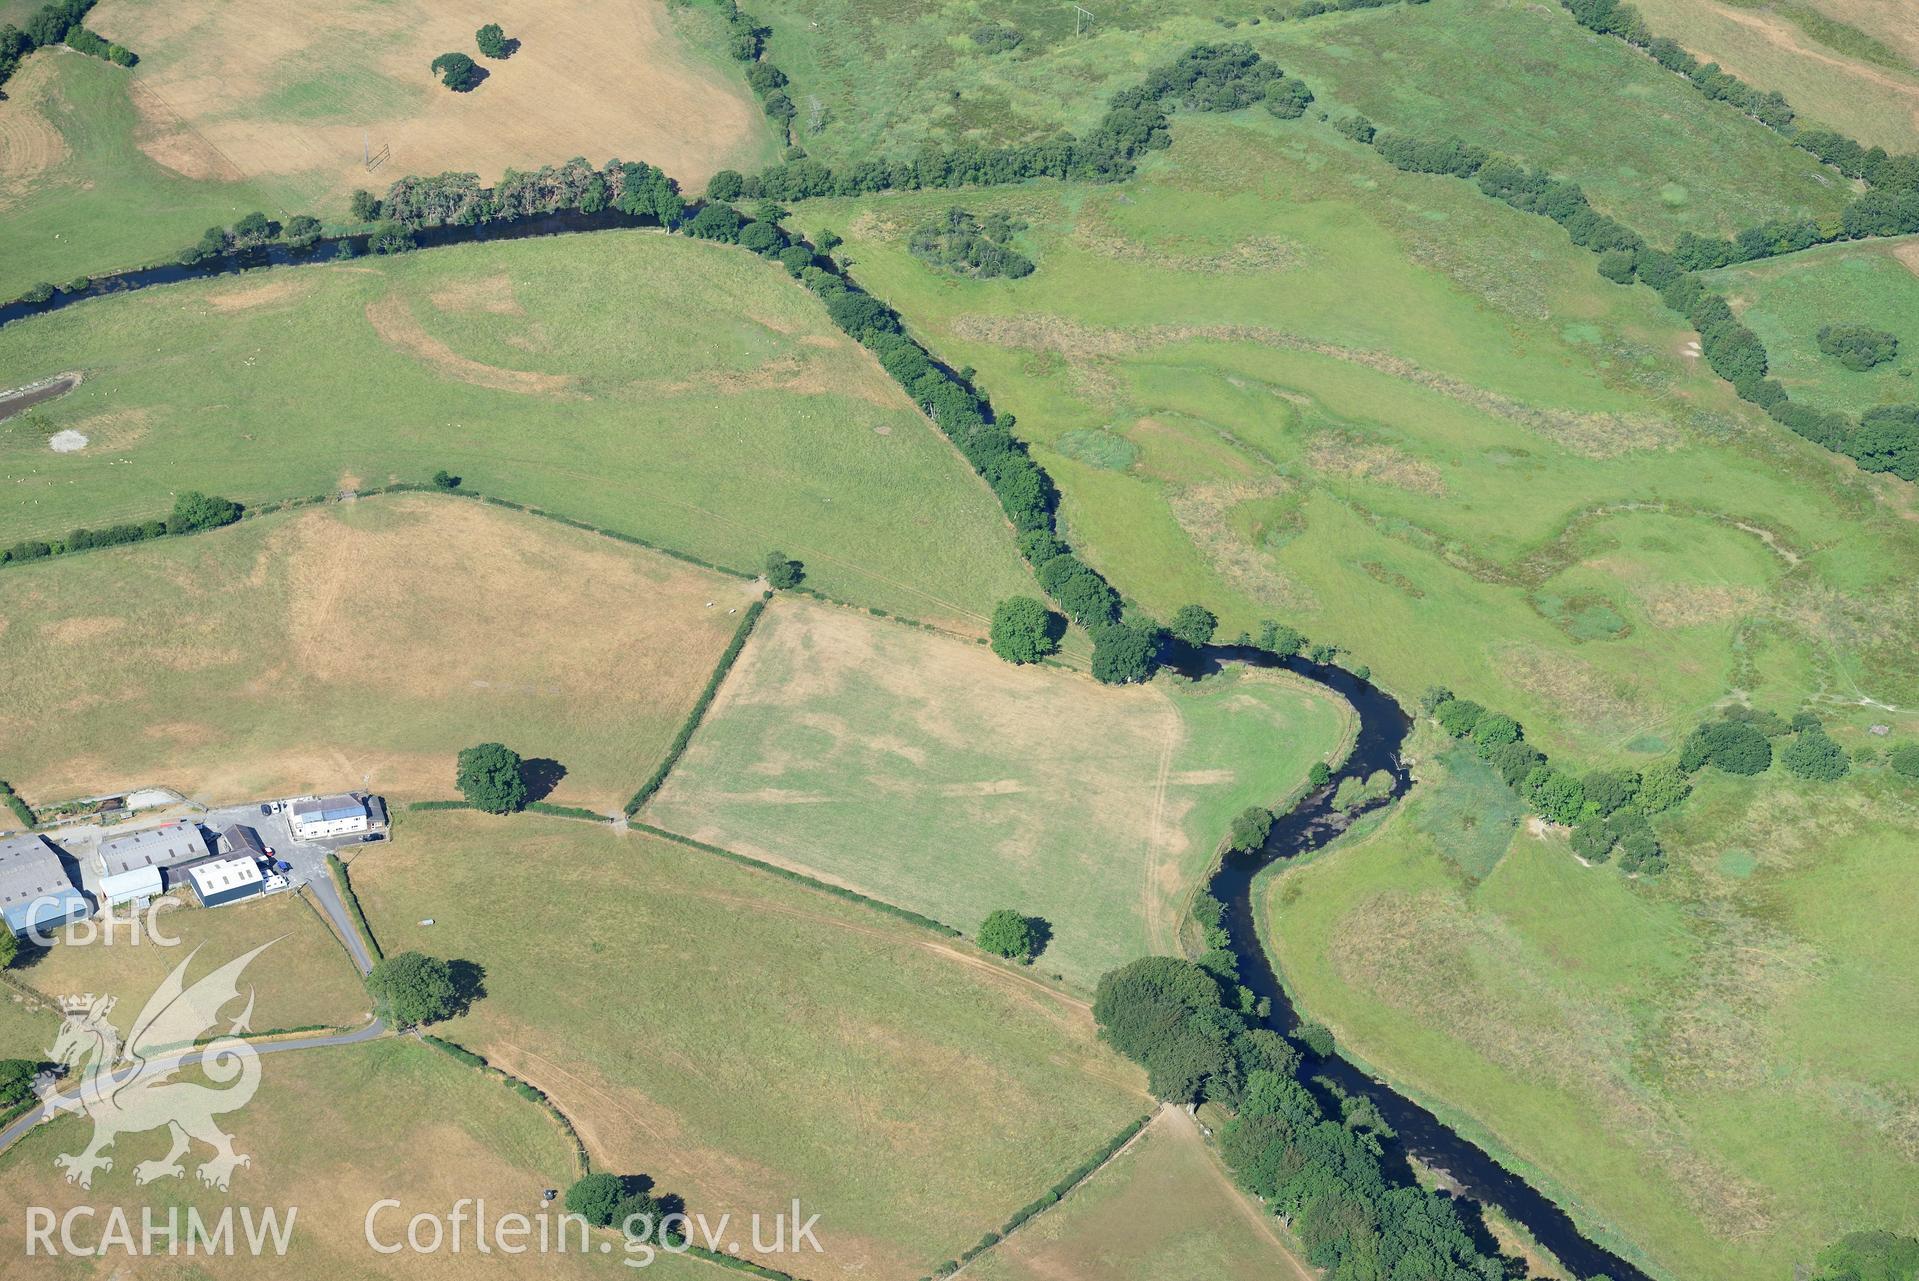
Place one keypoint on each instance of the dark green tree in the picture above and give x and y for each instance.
(1009, 934)
(1123, 654)
(491, 41)
(1457, 716)
(1812, 755)
(302, 231)
(1319, 774)
(1024, 630)
(1250, 828)
(364, 207)
(16, 1081)
(1904, 759)
(1858, 347)
(488, 775)
(412, 988)
(1194, 624)
(194, 510)
(781, 571)
(457, 71)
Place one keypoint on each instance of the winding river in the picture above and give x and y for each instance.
(1383, 727)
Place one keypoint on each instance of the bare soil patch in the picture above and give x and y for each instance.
(277, 290)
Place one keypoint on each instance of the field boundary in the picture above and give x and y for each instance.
(344, 883)
(801, 878)
(678, 747)
(1077, 1176)
(524, 1088)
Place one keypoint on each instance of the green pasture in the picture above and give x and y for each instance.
(1712, 1071)
(1833, 73)
(1525, 79)
(101, 204)
(1786, 301)
(876, 78)
(930, 774)
(687, 393)
(745, 1040)
(1412, 422)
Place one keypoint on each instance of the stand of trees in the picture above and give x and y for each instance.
(978, 247)
(52, 24)
(1191, 1027)
(1885, 439)
(1857, 347)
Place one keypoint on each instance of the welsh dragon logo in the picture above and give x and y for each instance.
(130, 1089)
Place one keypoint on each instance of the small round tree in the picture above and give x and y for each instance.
(1007, 933)
(1123, 654)
(782, 572)
(1194, 624)
(1904, 759)
(1812, 755)
(488, 775)
(456, 71)
(1023, 630)
(412, 988)
(492, 41)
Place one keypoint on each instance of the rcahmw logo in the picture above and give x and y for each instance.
(141, 1094)
(87, 1232)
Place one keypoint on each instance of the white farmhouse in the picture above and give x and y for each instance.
(315, 817)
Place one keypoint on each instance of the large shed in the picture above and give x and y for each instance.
(36, 893)
(226, 880)
(131, 867)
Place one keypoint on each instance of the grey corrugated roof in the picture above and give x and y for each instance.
(241, 839)
(322, 809)
(155, 847)
(30, 868)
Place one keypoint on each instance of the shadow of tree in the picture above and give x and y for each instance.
(541, 774)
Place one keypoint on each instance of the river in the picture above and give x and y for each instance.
(1312, 824)
(1383, 726)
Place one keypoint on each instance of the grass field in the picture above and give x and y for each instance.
(1163, 1211)
(1787, 300)
(746, 1041)
(872, 77)
(304, 978)
(77, 194)
(1513, 480)
(928, 773)
(1642, 143)
(355, 645)
(332, 1132)
(271, 107)
(1714, 1069)
(687, 393)
(1843, 76)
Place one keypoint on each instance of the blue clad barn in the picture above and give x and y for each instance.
(35, 890)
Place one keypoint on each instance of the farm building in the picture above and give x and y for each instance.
(35, 890)
(319, 816)
(226, 880)
(240, 841)
(131, 866)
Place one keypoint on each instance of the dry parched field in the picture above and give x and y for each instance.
(929, 773)
(746, 1041)
(1164, 1210)
(360, 644)
(304, 978)
(291, 94)
(330, 1133)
